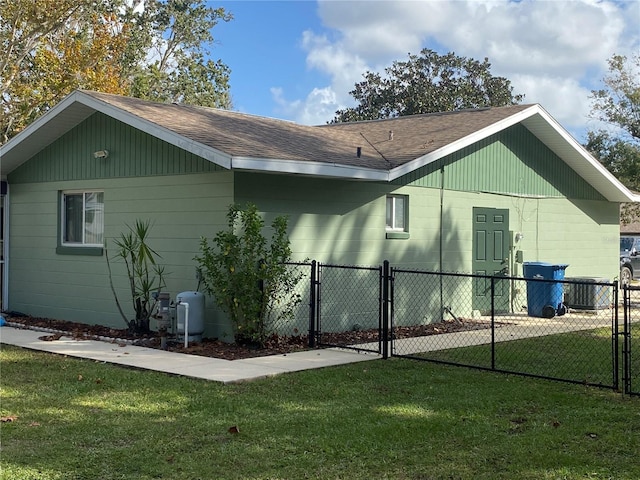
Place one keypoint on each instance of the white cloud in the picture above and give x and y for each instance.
(562, 97)
(316, 109)
(554, 52)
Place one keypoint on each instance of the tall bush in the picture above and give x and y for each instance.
(247, 276)
(144, 274)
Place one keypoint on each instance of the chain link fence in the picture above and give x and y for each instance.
(562, 330)
(349, 307)
(296, 324)
(631, 339)
(569, 329)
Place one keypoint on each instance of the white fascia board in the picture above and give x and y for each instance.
(460, 144)
(39, 123)
(587, 163)
(209, 153)
(584, 163)
(316, 169)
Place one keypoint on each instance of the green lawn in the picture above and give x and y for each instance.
(395, 419)
(580, 356)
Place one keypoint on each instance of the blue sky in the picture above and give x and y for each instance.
(297, 60)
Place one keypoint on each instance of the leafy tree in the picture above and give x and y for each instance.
(24, 24)
(619, 102)
(87, 55)
(177, 35)
(37, 38)
(51, 47)
(428, 83)
(248, 278)
(619, 105)
(144, 274)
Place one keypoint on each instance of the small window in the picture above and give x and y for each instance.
(82, 216)
(397, 206)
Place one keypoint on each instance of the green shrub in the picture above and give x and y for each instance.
(247, 277)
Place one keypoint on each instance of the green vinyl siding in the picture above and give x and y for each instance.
(337, 221)
(181, 208)
(343, 222)
(132, 153)
(512, 162)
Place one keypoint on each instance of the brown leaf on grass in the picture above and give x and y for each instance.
(34, 424)
(234, 430)
(8, 418)
(50, 338)
(170, 459)
(98, 380)
(556, 424)
(80, 378)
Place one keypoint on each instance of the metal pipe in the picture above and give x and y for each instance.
(186, 324)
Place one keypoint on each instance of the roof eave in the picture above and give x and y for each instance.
(316, 169)
(551, 134)
(556, 138)
(460, 144)
(77, 107)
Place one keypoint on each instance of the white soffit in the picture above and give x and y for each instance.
(316, 169)
(42, 132)
(560, 142)
(555, 137)
(74, 109)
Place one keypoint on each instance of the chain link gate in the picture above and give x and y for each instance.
(349, 307)
(439, 317)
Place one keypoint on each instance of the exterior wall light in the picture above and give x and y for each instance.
(101, 154)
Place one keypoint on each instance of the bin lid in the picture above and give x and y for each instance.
(546, 264)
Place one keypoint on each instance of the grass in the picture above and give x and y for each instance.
(581, 356)
(393, 419)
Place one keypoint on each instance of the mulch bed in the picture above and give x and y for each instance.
(275, 345)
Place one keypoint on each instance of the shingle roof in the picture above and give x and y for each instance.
(243, 135)
(403, 139)
(240, 141)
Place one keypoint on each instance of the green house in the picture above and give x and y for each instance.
(468, 191)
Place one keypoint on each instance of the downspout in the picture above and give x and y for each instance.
(4, 293)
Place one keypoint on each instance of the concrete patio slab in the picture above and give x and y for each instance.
(207, 368)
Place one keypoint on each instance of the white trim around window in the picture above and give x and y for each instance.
(397, 218)
(81, 222)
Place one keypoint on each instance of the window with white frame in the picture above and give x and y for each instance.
(82, 218)
(397, 213)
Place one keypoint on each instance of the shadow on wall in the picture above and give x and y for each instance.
(421, 297)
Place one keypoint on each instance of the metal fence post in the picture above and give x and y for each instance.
(493, 323)
(615, 344)
(386, 303)
(312, 306)
(626, 343)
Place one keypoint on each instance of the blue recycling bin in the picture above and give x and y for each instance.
(544, 296)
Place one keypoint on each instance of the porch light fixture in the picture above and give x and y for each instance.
(101, 154)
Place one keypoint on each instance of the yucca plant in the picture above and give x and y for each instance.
(145, 275)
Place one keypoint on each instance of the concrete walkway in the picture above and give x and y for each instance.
(215, 369)
(515, 326)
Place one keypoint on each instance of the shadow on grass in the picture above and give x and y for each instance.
(386, 419)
